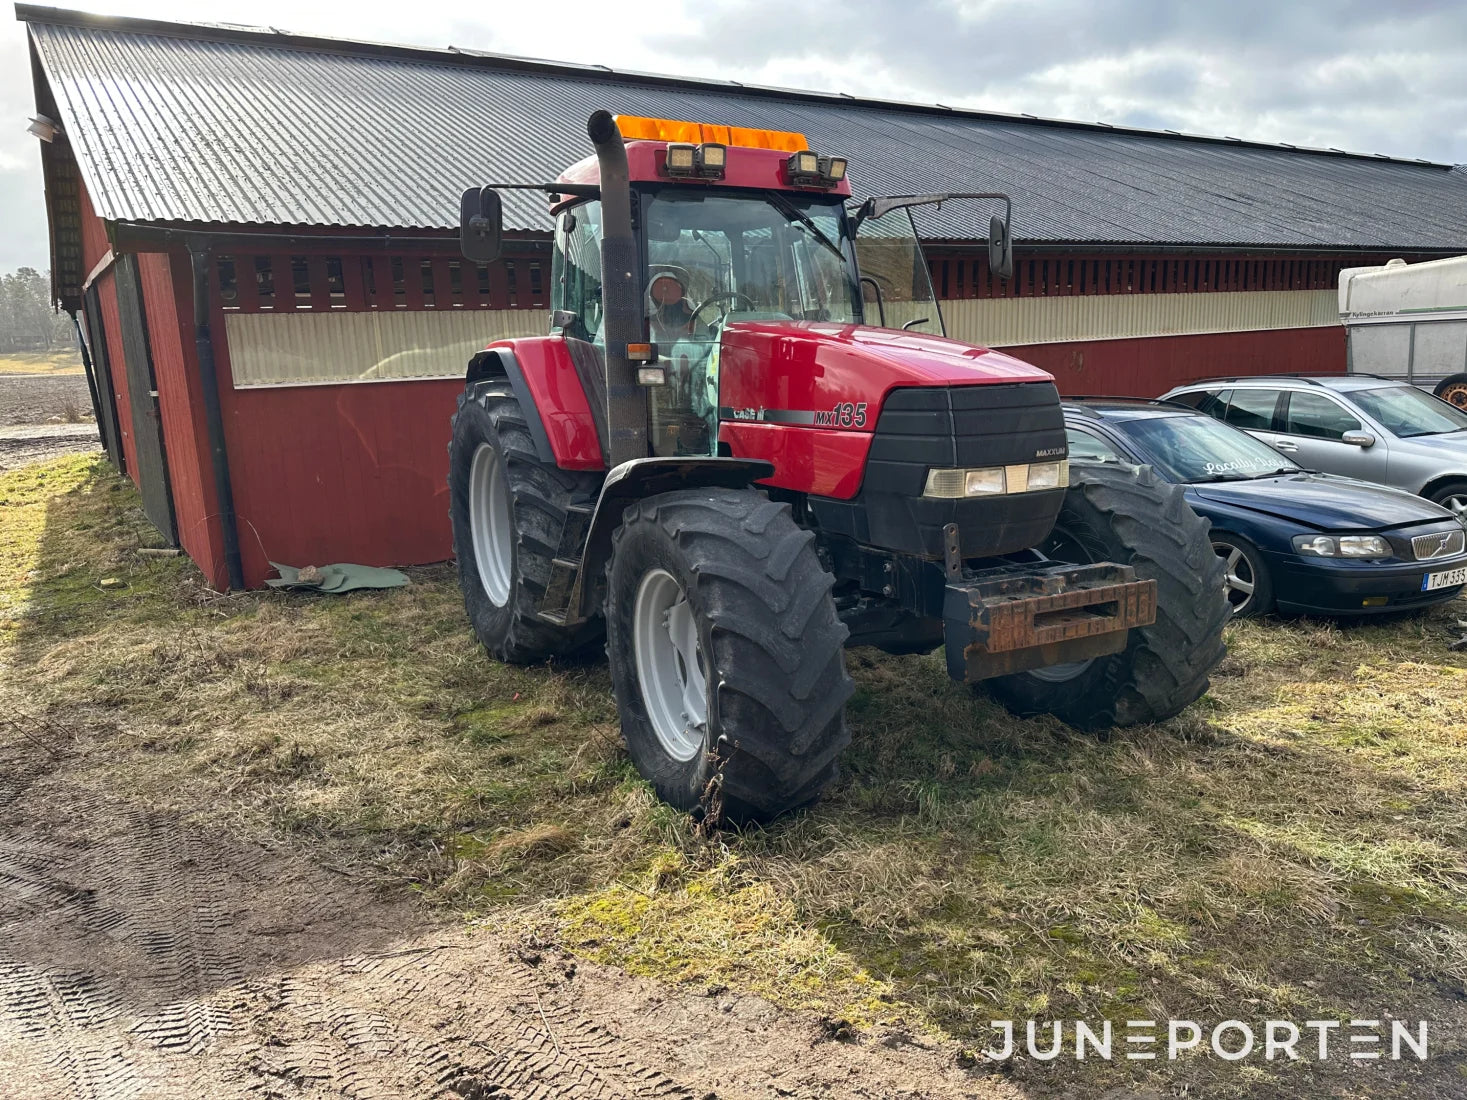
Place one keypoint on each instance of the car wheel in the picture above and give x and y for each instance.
(1453, 390)
(1245, 577)
(1452, 496)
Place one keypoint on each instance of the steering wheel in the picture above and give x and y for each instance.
(726, 296)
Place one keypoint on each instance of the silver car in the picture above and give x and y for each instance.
(1360, 426)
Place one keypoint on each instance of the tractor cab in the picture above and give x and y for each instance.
(732, 226)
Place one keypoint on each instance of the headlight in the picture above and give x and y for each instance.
(1342, 546)
(996, 480)
(1049, 475)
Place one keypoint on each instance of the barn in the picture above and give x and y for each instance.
(259, 232)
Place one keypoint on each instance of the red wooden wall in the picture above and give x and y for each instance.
(1151, 365)
(112, 330)
(343, 473)
(167, 289)
(349, 472)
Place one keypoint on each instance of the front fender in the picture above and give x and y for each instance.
(558, 396)
(637, 480)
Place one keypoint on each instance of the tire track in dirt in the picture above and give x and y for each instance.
(329, 1034)
(142, 958)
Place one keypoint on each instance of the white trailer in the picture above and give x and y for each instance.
(1409, 321)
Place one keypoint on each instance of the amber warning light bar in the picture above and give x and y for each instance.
(699, 150)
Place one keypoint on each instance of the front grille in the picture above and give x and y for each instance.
(953, 427)
(1439, 544)
(993, 424)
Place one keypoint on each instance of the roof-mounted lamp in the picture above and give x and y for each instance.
(44, 128)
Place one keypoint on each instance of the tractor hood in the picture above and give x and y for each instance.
(806, 366)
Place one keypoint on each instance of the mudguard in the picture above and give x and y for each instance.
(558, 394)
(637, 480)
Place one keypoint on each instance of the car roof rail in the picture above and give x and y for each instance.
(1312, 377)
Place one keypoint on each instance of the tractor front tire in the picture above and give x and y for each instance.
(1129, 516)
(726, 654)
(508, 507)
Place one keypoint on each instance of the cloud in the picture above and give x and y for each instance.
(1371, 77)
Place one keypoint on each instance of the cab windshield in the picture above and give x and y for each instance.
(714, 257)
(1196, 449)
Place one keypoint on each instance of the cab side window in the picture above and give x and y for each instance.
(1319, 417)
(576, 269)
(1211, 402)
(1085, 447)
(1252, 410)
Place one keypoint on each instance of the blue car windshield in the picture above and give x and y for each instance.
(1192, 449)
(1406, 411)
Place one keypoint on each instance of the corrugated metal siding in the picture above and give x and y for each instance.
(1001, 322)
(172, 128)
(273, 348)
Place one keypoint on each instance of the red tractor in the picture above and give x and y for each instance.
(718, 464)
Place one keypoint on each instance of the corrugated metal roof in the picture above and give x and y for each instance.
(185, 123)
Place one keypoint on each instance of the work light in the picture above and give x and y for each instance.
(681, 159)
(804, 167)
(833, 169)
(712, 160)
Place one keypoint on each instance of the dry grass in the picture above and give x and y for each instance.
(41, 362)
(1291, 847)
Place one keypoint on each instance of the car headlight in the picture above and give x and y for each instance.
(1342, 546)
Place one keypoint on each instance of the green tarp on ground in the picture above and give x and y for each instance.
(335, 578)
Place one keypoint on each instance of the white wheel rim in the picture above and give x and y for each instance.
(491, 523)
(670, 664)
(1239, 581)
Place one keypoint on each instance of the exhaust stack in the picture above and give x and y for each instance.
(621, 295)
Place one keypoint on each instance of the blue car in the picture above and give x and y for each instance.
(1291, 539)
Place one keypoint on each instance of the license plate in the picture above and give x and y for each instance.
(1450, 579)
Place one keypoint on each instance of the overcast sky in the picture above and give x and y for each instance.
(1364, 75)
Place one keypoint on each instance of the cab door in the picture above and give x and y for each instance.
(1314, 425)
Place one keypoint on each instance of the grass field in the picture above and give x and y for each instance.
(41, 362)
(1292, 847)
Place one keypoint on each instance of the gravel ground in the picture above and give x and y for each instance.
(36, 398)
(21, 446)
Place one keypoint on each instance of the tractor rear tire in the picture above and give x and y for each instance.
(496, 479)
(741, 716)
(1128, 515)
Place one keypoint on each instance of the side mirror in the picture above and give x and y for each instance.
(1000, 248)
(480, 224)
(1358, 439)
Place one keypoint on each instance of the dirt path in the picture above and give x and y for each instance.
(143, 958)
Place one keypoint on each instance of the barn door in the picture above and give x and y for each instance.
(102, 368)
(142, 389)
